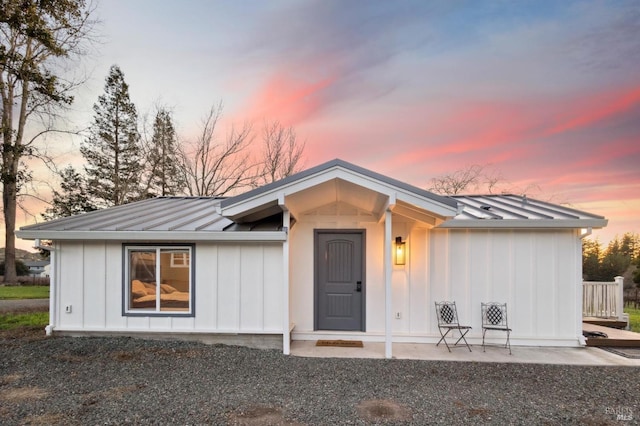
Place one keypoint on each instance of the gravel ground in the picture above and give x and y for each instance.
(64, 380)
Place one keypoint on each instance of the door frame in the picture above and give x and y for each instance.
(316, 286)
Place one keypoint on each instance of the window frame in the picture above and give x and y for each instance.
(127, 248)
(178, 260)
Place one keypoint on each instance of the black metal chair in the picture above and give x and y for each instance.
(494, 317)
(448, 321)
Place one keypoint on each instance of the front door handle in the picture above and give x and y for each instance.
(358, 285)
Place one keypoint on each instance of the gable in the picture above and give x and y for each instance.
(340, 182)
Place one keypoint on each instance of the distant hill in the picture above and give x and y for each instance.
(22, 255)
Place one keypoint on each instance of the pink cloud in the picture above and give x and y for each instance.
(587, 110)
(288, 99)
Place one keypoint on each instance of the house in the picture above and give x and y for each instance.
(336, 251)
(37, 268)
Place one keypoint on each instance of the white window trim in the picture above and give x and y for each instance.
(126, 300)
(178, 260)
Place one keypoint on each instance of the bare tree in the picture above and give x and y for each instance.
(216, 168)
(467, 179)
(35, 38)
(282, 155)
(472, 179)
(478, 179)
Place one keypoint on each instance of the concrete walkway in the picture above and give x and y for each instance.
(521, 354)
(24, 305)
(431, 352)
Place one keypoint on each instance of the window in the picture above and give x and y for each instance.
(180, 260)
(158, 280)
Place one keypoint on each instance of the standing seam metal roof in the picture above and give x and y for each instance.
(510, 206)
(187, 214)
(156, 214)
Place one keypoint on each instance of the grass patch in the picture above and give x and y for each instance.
(24, 292)
(24, 320)
(634, 319)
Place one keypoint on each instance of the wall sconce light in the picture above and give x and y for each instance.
(401, 251)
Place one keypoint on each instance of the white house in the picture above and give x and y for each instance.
(313, 256)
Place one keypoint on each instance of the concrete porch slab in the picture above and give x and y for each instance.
(431, 352)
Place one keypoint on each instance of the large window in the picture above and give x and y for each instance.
(158, 280)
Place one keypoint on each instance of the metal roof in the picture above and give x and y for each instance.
(167, 218)
(509, 210)
(198, 219)
(154, 214)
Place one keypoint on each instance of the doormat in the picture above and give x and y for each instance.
(633, 353)
(341, 343)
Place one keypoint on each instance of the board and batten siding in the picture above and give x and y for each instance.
(536, 272)
(238, 289)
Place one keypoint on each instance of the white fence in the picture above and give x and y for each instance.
(602, 299)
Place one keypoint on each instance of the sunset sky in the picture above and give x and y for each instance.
(547, 94)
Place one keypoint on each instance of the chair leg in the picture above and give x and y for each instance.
(507, 344)
(463, 338)
(443, 338)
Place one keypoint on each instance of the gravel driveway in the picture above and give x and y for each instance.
(63, 380)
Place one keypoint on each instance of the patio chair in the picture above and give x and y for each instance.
(494, 317)
(448, 322)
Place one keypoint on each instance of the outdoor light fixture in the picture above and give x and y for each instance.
(401, 251)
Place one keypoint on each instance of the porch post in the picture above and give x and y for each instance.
(619, 297)
(388, 314)
(286, 330)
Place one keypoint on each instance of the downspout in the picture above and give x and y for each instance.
(52, 285)
(586, 233)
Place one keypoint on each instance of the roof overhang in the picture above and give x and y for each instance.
(338, 181)
(237, 236)
(512, 211)
(524, 224)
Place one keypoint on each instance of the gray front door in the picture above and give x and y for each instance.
(339, 280)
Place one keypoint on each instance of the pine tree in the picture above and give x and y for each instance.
(165, 177)
(591, 255)
(73, 199)
(112, 150)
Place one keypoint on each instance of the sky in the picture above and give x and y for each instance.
(546, 94)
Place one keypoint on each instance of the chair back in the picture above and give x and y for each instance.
(494, 315)
(447, 313)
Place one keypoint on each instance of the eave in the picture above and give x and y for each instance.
(236, 236)
(524, 224)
